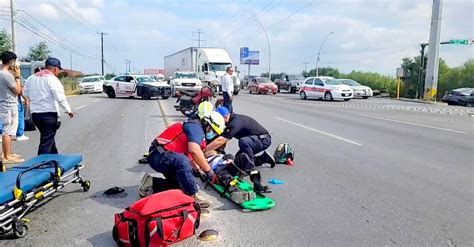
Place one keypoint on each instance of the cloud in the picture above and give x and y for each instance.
(46, 11)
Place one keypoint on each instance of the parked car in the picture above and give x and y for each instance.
(246, 80)
(290, 83)
(186, 81)
(327, 88)
(460, 96)
(262, 85)
(91, 84)
(359, 90)
(136, 85)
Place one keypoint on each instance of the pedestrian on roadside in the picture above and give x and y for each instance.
(228, 88)
(10, 88)
(45, 94)
(20, 132)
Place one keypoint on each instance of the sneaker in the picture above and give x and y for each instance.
(146, 186)
(201, 200)
(16, 156)
(265, 158)
(12, 160)
(240, 196)
(22, 138)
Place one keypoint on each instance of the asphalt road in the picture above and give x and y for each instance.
(367, 172)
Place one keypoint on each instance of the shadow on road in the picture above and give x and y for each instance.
(102, 239)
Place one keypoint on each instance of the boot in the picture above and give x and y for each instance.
(265, 158)
(258, 187)
(145, 188)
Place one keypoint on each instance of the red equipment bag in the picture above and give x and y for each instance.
(158, 220)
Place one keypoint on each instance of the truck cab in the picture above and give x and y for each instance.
(132, 86)
(212, 64)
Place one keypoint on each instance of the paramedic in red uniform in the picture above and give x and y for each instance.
(175, 150)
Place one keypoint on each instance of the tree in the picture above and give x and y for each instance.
(273, 76)
(5, 41)
(325, 71)
(39, 52)
(109, 76)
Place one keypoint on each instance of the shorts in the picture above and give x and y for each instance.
(9, 118)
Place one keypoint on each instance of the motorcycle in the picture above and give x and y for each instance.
(188, 102)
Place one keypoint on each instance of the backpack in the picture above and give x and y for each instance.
(283, 153)
(157, 220)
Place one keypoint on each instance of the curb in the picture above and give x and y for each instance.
(421, 101)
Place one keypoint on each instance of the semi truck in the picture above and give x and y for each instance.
(209, 64)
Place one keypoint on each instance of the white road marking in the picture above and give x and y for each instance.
(320, 131)
(96, 100)
(414, 124)
(79, 107)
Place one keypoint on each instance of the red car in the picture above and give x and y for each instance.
(262, 85)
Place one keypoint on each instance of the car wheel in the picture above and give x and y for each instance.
(451, 103)
(303, 95)
(274, 93)
(110, 93)
(293, 90)
(347, 99)
(328, 96)
(365, 97)
(250, 91)
(146, 95)
(165, 96)
(278, 88)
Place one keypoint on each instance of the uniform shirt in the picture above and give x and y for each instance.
(227, 84)
(8, 99)
(241, 126)
(46, 93)
(194, 131)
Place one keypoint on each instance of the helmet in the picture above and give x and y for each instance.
(216, 121)
(204, 108)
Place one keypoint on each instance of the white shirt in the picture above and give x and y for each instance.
(46, 93)
(227, 84)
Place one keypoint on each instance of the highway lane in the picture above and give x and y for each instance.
(363, 175)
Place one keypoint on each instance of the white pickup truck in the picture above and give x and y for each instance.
(132, 86)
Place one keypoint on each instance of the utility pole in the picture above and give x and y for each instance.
(319, 52)
(102, 48)
(127, 65)
(70, 60)
(269, 49)
(199, 32)
(12, 13)
(431, 80)
(305, 66)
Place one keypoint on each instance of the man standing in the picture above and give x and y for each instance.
(228, 88)
(10, 88)
(45, 94)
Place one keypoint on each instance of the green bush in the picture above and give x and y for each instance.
(71, 86)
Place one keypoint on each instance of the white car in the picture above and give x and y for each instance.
(359, 90)
(185, 81)
(91, 84)
(325, 87)
(136, 86)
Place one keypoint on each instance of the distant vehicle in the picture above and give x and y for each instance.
(324, 87)
(209, 64)
(184, 81)
(359, 90)
(91, 84)
(460, 96)
(136, 86)
(159, 77)
(28, 68)
(290, 83)
(246, 80)
(262, 85)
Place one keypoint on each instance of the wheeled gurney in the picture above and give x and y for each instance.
(25, 185)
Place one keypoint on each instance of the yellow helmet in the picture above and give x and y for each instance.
(216, 121)
(204, 109)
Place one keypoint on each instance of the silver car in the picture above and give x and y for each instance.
(359, 90)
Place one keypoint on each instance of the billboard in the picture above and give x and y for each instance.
(153, 71)
(249, 57)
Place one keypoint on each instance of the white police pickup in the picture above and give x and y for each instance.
(142, 86)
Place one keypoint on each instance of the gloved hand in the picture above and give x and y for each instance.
(210, 176)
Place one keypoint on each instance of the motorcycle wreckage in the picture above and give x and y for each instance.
(187, 102)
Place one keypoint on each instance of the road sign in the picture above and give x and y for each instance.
(249, 57)
(459, 41)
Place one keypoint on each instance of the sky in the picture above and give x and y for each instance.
(368, 35)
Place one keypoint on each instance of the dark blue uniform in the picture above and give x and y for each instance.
(253, 137)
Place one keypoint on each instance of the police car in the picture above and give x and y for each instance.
(142, 86)
(325, 87)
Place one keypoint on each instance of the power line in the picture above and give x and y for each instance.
(64, 2)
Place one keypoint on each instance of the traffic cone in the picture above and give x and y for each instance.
(289, 162)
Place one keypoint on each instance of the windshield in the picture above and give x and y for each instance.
(263, 80)
(350, 82)
(145, 79)
(333, 82)
(296, 77)
(90, 79)
(186, 75)
(219, 66)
